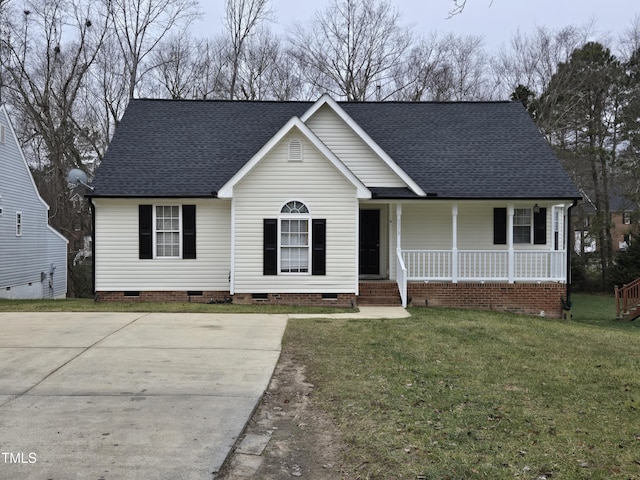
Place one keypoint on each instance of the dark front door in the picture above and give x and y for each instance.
(369, 242)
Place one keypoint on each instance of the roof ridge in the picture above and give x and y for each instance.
(341, 102)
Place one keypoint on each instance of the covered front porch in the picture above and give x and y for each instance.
(466, 241)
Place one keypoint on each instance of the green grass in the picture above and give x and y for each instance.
(459, 394)
(87, 305)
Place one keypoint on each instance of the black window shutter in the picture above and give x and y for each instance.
(499, 226)
(540, 227)
(188, 231)
(145, 231)
(270, 247)
(319, 246)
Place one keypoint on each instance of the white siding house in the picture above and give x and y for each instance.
(311, 202)
(33, 256)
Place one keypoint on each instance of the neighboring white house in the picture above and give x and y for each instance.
(459, 204)
(33, 256)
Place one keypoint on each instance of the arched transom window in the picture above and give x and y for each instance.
(294, 238)
(294, 207)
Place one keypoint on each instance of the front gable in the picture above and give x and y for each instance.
(351, 143)
(305, 136)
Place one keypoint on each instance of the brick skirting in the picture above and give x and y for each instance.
(307, 299)
(170, 296)
(526, 298)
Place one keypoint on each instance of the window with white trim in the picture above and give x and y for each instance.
(167, 229)
(18, 224)
(294, 238)
(522, 225)
(626, 218)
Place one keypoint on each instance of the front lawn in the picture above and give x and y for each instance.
(458, 394)
(88, 305)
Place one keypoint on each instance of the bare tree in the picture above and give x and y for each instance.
(49, 52)
(352, 48)
(177, 67)
(140, 26)
(242, 19)
(532, 59)
(458, 7)
(465, 69)
(630, 39)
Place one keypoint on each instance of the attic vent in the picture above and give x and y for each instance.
(1, 133)
(295, 151)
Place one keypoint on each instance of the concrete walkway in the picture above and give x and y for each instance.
(363, 313)
(129, 395)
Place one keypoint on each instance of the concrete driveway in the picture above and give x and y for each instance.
(129, 395)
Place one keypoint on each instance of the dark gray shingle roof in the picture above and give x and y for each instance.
(169, 148)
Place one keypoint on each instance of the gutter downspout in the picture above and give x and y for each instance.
(92, 207)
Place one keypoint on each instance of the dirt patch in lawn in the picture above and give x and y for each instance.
(299, 440)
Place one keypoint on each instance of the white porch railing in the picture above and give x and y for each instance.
(485, 265)
(401, 278)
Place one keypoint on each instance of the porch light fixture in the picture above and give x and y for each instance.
(536, 208)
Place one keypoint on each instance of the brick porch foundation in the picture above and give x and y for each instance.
(526, 298)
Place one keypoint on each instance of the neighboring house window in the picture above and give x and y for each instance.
(528, 226)
(294, 243)
(18, 224)
(167, 231)
(626, 218)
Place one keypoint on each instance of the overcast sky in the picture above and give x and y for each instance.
(495, 21)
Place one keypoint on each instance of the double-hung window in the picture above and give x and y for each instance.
(167, 231)
(294, 243)
(294, 238)
(529, 226)
(522, 225)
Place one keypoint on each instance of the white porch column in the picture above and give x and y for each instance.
(454, 246)
(398, 226)
(511, 258)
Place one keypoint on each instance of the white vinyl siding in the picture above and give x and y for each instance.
(31, 249)
(261, 194)
(118, 267)
(352, 150)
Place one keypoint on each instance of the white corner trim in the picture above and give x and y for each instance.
(327, 100)
(227, 189)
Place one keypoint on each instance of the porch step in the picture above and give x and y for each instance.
(379, 293)
(631, 314)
